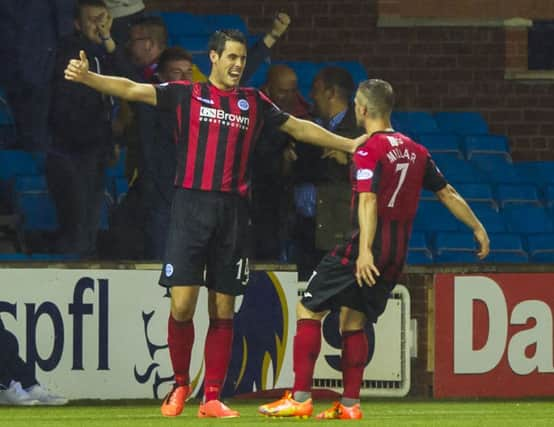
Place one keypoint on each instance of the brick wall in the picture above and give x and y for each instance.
(481, 9)
(430, 68)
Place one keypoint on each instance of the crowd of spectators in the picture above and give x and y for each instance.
(83, 132)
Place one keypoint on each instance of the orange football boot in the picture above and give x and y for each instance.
(216, 409)
(287, 407)
(174, 402)
(340, 412)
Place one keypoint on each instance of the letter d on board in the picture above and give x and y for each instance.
(466, 359)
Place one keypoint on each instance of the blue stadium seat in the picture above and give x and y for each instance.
(516, 194)
(434, 217)
(440, 143)
(527, 219)
(541, 247)
(462, 123)
(477, 193)
(413, 123)
(15, 256)
(202, 61)
(427, 195)
(455, 247)
(194, 44)
(29, 183)
(485, 144)
(506, 248)
(18, 162)
(459, 171)
(538, 173)
(180, 23)
(418, 252)
(498, 169)
(53, 257)
(38, 210)
(492, 220)
(549, 195)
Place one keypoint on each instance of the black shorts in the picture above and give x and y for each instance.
(208, 231)
(333, 285)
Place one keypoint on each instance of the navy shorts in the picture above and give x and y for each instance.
(333, 285)
(207, 242)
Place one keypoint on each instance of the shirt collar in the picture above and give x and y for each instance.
(335, 120)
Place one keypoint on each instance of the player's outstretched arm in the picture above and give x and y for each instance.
(306, 131)
(461, 210)
(78, 71)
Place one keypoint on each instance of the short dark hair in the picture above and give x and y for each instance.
(378, 96)
(339, 79)
(83, 3)
(175, 53)
(156, 28)
(220, 37)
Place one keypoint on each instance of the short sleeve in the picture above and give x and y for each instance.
(273, 116)
(366, 168)
(433, 179)
(169, 95)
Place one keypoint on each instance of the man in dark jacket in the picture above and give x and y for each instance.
(80, 120)
(332, 92)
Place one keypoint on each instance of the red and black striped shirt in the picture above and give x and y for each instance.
(216, 132)
(395, 168)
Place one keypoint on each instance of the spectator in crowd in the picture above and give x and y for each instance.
(29, 34)
(124, 13)
(326, 171)
(356, 278)
(217, 125)
(160, 155)
(271, 174)
(80, 120)
(18, 384)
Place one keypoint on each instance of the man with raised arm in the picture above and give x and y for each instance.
(216, 127)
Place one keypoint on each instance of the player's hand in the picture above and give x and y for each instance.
(280, 24)
(366, 271)
(104, 26)
(483, 241)
(339, 156)
(358, 141)
(289, 153)
(77, 69)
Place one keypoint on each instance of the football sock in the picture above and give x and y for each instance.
(355, 350)
(217, 355)
(307, 345)
(180, 337)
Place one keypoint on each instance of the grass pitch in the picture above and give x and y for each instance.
(381, 413)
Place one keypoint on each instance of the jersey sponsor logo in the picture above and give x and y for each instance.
(243, 104)
(216, 115)
(395, 141)
(364, 174)
(204, 100)
(168, 270)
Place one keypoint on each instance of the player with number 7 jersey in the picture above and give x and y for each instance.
(395, 168)
(356, 278)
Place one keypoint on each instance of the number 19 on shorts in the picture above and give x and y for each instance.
(243, 271)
